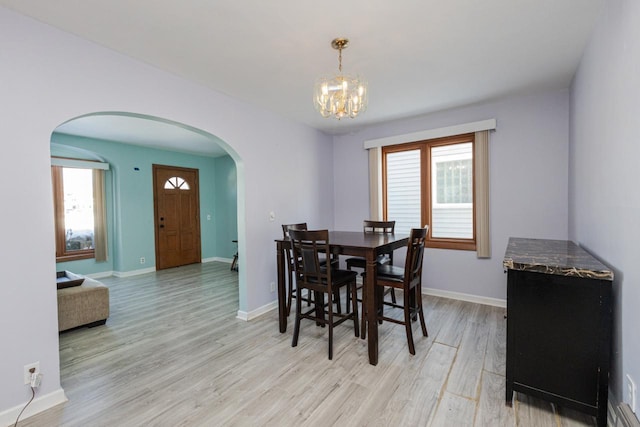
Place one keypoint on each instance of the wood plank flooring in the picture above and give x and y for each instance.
(173, 354)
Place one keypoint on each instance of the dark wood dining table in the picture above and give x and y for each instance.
(353, 243)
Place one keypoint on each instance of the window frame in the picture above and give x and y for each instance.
(426, 187)
(62, 255)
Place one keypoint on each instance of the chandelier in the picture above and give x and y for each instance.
(342, 95)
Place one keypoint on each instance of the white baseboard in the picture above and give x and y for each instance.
(465, 297)
(246, 316)
(134, 272)
(100, 275)
(218, 259)
(39, 404)
(496, 302)
(147, 270)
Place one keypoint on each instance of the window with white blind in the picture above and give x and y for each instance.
(79, 203)
(73, 205)
(452, 191)
(403, 189)
(432, 183)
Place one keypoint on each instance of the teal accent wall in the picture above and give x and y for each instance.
(130, 201)
(226, 206)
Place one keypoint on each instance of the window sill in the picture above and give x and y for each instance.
(451, 244)
(75, 257)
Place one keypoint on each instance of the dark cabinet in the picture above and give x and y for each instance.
(558, 326)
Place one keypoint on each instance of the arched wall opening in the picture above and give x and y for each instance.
(171, 141)
(56, 76)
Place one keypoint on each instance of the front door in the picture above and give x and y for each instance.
(177, 216)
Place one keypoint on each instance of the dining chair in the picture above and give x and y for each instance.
(308, 249)
(370, 226)
(407, 279)
(291, 291)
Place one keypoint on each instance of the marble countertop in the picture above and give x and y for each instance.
(560, 257)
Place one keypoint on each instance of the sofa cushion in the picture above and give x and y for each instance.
(67, 279)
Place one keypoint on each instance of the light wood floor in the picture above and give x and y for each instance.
(173, 354)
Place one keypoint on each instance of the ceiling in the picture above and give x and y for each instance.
(418, 56)
(139, 130)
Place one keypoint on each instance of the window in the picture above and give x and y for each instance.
(175, 182)
(432, 182)
(74, 212)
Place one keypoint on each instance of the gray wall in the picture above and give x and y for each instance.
(528, 184)
(55, 77)
(604, 208)
(50, 77)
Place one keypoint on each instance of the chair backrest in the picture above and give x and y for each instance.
(285, 233)
(307, 246)
(370, 226)
(383, 227)
(415, 254)
(287, 227)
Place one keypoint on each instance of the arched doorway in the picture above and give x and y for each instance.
(132, 137)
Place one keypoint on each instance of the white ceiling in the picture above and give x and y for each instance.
(131, 129)
(419, 56)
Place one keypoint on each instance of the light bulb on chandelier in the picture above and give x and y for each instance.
(342, 95)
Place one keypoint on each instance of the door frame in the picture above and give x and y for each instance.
(156, 223)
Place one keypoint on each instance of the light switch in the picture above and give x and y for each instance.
(272, 216)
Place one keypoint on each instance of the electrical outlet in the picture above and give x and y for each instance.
(27, 373)
(36, 380)
(142, 260)
(631, 393)
(273, 286)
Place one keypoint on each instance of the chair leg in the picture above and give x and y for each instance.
(363, 324)
(407, 322)
(393, 296)
(423, 325)
(330, 325)
(380, 297)
(354, 307)
(348, 294)
(296, 329)
(318, 298)
(290, 294)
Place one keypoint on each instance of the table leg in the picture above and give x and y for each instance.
(282, 291)
(371, 302)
